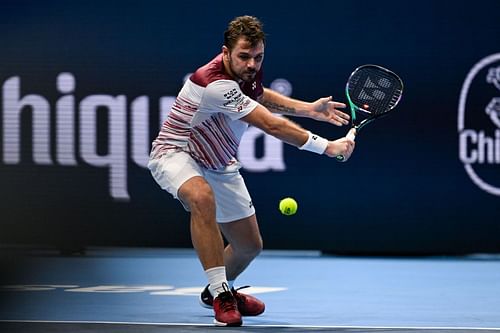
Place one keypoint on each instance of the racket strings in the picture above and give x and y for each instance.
(374, 91)
(395, 98)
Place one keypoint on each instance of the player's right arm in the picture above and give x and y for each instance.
(291, 133)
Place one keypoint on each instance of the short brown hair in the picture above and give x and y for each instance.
(247, 26)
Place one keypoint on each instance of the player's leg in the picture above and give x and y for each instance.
(245, 243)
(205, 234)
(179, 174)
(236, 217)
(197, 194)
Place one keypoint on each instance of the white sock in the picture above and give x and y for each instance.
(216, 278)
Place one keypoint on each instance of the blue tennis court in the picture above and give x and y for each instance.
(149, 290)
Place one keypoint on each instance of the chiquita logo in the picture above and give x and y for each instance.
(65, 131)
(479, 124)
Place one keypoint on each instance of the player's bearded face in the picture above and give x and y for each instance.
(245, 61)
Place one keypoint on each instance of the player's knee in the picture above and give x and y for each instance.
(202, 199)
(252, 249)
(258, 246)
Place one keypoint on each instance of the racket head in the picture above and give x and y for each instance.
(373, 90)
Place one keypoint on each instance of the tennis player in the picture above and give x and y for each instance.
(193, 158)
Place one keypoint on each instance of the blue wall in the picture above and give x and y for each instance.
(66, 177)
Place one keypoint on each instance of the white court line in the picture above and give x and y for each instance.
(270, 326)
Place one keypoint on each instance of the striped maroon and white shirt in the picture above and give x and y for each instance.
(205, 117)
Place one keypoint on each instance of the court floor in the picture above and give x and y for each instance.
(156, 290)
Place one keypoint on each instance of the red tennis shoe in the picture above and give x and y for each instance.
(226, 310)
(247, 304)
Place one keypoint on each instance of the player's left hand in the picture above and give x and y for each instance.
(325, 109)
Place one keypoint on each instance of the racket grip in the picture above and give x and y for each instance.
(352, 136)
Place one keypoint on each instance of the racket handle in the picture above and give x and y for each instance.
(352, 136)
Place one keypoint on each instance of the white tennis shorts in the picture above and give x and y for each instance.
(233, 202)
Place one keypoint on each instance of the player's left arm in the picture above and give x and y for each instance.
(323, 109)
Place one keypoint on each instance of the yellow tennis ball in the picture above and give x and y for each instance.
(288, 206)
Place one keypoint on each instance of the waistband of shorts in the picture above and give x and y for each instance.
(155, 155)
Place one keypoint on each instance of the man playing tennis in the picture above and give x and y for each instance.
(193, 158)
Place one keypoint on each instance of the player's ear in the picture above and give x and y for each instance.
(225, 52)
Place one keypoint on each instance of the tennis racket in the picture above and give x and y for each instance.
(372, 92)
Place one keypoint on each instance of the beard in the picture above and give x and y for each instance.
(246, 75)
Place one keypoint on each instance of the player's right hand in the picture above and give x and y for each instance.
(343, 146)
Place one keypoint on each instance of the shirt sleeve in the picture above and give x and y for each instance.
(226, 96)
